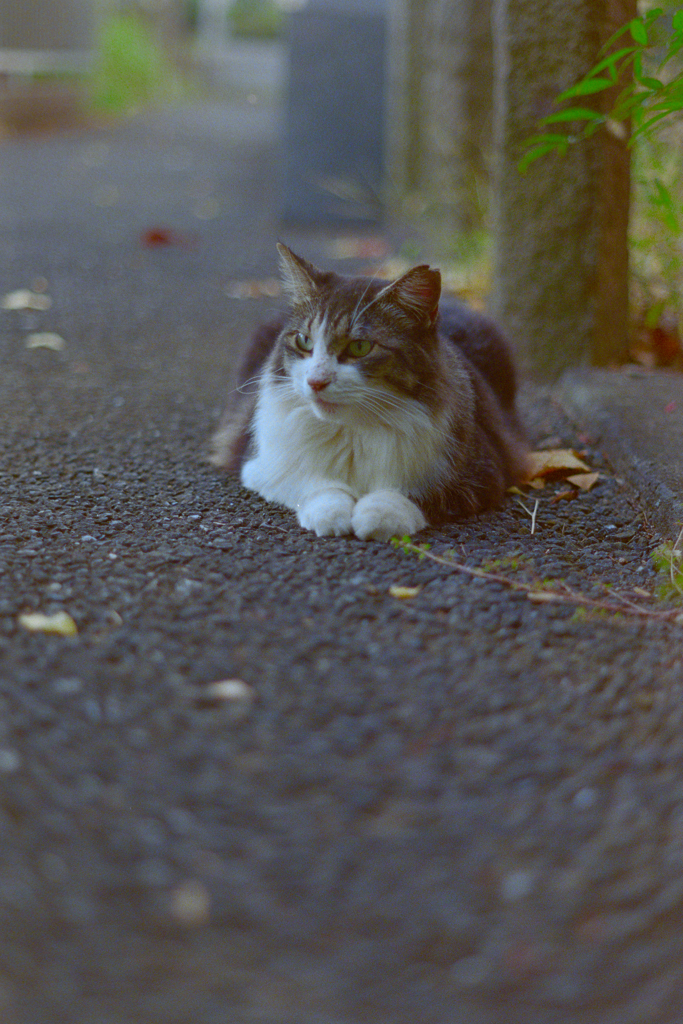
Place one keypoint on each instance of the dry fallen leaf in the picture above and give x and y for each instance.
(159, 236)
(270, 287)
(45, 339)
(564, 496)
(541, 596)
(584, 481)
(555, 460)
(24, 298)
(403, 593)
(373, 247)
(59, 623)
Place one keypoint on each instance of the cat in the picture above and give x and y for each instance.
(376, 408)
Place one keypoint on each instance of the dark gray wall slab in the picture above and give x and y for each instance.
(334, 126)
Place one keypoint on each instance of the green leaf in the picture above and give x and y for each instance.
(550, 138)
(611, 60)
(612, 39)
(646, 125)
(542, 149)
(586, 87)
(651, 83)
(638, 31)
(663, 194)
(572, 114)
(654, 313)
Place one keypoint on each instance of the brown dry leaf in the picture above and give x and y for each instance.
(564, 496)
(158, 236)
(554, 460)
(584, 481)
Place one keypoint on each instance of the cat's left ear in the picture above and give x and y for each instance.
(299, 277)
(416, 293)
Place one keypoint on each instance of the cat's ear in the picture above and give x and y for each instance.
(299, 277)
(416, 293)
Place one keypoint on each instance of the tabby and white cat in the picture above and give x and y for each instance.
(377, 410)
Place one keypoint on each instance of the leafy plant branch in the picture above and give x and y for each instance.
(648, 96)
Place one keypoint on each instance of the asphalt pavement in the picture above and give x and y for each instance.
(258, 782)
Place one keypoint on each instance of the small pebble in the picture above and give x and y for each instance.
(191, 904)
(585, 799)
(516, 885)
(67, 686)
(229, 689)
(9, 761)
(471, 971)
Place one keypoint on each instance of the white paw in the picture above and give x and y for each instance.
(382, 515)
(251, 477)
(328, 513)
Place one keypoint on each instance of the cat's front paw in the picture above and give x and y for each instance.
(328, 513)
(251, 476)
(382, 515)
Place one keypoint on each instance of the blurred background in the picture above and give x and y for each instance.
(381, 122)
(383, 107)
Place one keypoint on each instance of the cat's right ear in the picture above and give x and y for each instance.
(416, 294)
(299, 277)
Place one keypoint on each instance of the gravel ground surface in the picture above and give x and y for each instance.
(462, 805)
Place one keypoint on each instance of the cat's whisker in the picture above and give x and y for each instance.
(387, 403)
(278, 379)
(358, 312)
(391, 414)
(240, 389)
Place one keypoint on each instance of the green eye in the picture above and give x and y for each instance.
(303, 342)
(360, 347)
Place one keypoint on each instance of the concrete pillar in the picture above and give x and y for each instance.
(43, 25)
(405, 71)
(457, 107)
(561, 252)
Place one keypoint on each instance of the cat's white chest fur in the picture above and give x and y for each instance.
(338, 477)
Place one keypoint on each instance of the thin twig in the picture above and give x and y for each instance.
(530, 513)
(563, 594)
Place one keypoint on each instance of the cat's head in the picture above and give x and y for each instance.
(356, 348)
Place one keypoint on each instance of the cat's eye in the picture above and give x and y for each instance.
(303, 342)
(359, 347)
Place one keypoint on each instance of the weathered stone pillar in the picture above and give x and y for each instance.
(457, 106)
(405, 72)
(561, 253)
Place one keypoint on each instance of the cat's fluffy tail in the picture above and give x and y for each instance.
(230, 441)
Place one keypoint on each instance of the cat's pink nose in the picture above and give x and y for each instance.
(318, 384)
